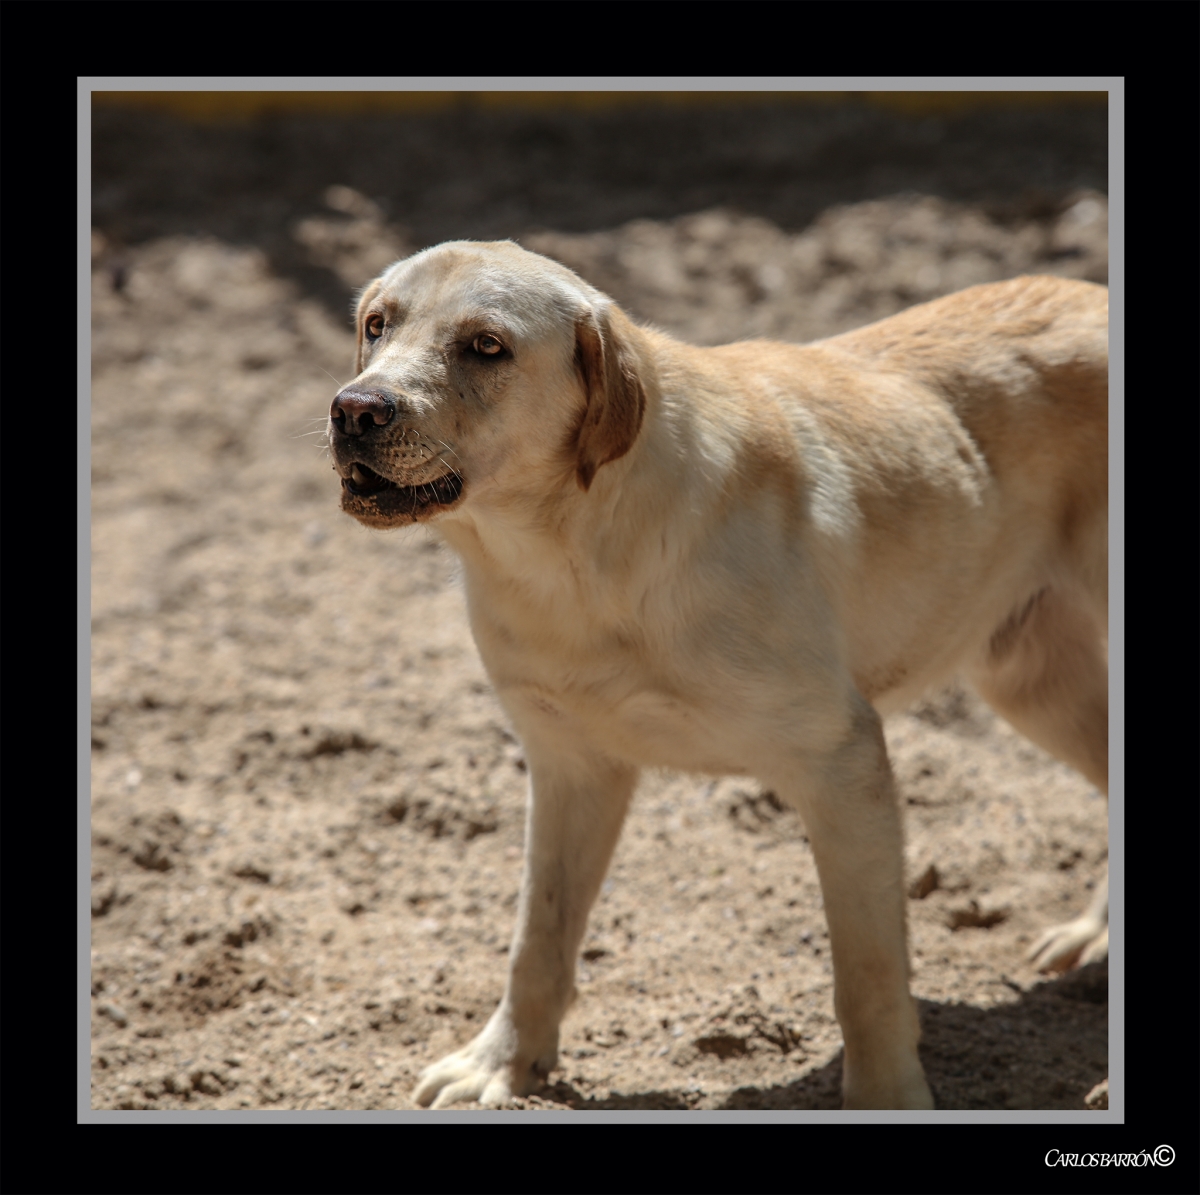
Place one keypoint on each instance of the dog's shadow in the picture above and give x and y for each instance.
(1046, 1050)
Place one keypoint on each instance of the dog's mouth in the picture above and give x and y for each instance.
(375, 500)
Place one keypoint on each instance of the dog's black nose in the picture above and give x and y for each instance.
(356, 411)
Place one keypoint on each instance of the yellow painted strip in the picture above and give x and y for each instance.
(246, 105)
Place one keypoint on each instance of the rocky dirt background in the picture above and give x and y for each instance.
(307, 804)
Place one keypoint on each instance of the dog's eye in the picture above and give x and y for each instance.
(373, 327)
(489, 346)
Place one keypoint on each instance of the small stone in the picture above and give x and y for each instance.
(925, 883)
(115, 1013)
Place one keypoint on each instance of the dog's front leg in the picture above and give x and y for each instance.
(577, 804)
(847, 798)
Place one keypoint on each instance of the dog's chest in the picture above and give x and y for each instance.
(645, 727)
(615, 697)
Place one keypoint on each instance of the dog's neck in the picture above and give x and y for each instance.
(618, 537)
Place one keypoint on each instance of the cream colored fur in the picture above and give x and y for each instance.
(734, 560)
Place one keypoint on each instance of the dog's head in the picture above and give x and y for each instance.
(487, 375)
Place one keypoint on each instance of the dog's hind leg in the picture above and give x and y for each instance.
(1045, 671)
(846, 796)
(577, 804)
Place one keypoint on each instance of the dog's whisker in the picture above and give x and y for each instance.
(339, 385)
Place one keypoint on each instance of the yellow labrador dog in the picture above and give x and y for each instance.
(733, 561)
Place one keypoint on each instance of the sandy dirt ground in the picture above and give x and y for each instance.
(308, 805)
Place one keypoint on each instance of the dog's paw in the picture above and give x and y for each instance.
(913, 1097)
(905, 1089)
(888, 1074)
(491, 1069)
(460, 1077)
(1074, 944)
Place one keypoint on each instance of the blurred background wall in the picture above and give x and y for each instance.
(332, 186)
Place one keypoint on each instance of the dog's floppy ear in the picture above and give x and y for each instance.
(616, 400)
(364, 300)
